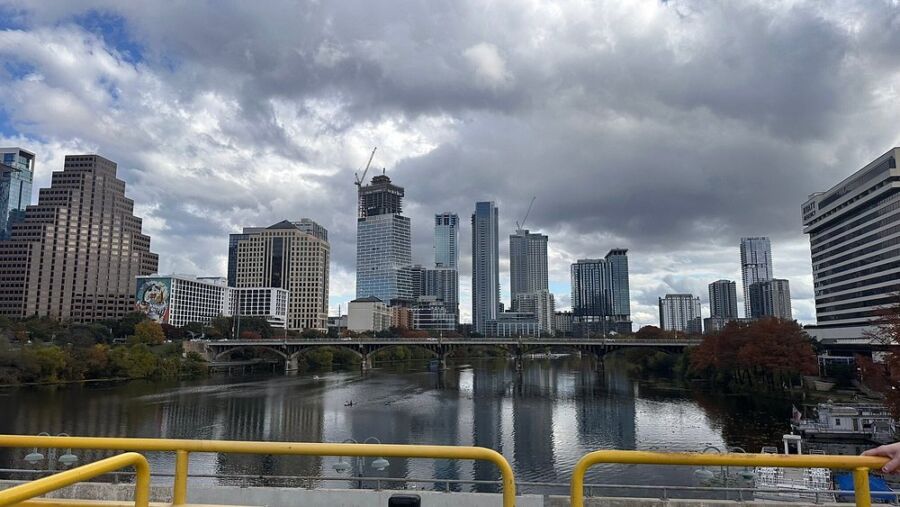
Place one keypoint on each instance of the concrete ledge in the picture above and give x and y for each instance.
(602, 501)
(121, 495)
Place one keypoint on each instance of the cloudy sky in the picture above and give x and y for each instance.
(668, 128)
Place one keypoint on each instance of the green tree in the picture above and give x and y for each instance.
(136, 361)
(49, 361)
(147, 332)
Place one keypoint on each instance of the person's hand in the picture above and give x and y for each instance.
(891, 451)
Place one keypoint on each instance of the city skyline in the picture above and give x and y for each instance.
(675, 168)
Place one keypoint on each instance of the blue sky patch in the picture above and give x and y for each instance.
(112, 28)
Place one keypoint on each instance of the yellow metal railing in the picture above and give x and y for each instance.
(183, 448)
(59, 480)
(859, 464)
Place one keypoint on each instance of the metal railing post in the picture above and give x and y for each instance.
(29, 490)
(861, 487)
(179, 488)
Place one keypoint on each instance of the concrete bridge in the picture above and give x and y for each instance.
(290, 349)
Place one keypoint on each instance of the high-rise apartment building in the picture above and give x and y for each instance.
(853, 232)
(485, 265)
(539, 303)
(383, 244)
(16, 175)
(446, 240)
(723, 299)
(76, 254)
(527, 263)
(600, 294)
(771, 298)
(756, 265)
(680, 312)
(287, 257)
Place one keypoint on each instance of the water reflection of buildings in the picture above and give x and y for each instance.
(606, 416)
(275, 414)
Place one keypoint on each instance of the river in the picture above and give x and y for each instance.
(542, 419)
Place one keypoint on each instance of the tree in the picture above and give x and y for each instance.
(250, 335)
(767, 352)
(147, 332)
(96, 361)
(885, 377)
(136, 361)
(311, 334)
(172, 333)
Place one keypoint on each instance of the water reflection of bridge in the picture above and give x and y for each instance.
(290, 349)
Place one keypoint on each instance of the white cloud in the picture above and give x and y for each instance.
(488, 64)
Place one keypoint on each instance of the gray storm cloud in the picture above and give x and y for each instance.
(669, 128)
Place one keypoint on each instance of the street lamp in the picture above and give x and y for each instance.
(342, 466)
(747, 473)
(67, 459)
(703, 474)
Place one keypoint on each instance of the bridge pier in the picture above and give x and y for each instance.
(290, 364)
(366, 363)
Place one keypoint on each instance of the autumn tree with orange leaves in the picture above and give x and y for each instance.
(767, 353)
(884, 377)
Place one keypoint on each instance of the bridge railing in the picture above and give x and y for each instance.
(860, 465)
(183, 448)
(29, 490)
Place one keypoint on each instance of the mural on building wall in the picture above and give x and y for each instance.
(152, 298)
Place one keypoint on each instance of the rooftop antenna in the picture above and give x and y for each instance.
(359, 181)
(520, 227)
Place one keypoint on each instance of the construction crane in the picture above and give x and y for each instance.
(520, 227)
(359, 181)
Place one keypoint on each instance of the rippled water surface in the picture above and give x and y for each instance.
(542, 419)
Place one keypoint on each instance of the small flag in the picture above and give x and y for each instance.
(795, 414)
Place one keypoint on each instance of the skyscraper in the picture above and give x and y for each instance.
(527, 263)
(485, 265)
(288, 256)
(723, 299)
(443, 281)
(600, 294)
(854, 253)
(16, 175)
(233, 241)
(383, 244)
(771, 298)
(680, 312)
(756, 265)
(446, 236)
(76, 254)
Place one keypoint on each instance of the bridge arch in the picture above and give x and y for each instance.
(303, 350)
(228, 351)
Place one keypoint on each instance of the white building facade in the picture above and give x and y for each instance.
(368, 314)
(182, 299)
(681, 313)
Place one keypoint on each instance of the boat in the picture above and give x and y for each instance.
(847, 421)
(880, 490)
(793, 484)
